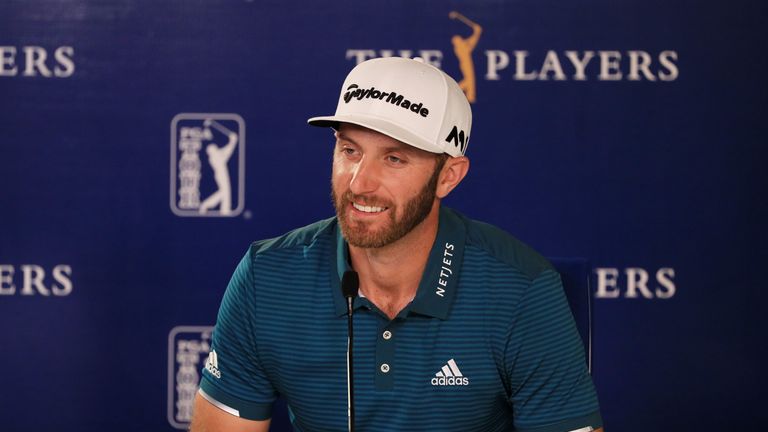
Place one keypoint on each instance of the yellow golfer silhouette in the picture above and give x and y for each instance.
(463, 48)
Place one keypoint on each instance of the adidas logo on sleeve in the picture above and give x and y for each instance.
(450, 375)
(212, 365)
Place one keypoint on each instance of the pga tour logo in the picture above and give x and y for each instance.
(207, 165)
(188, 349)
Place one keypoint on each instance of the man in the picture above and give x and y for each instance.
(458, 326)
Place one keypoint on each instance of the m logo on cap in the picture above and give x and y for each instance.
(457, 138)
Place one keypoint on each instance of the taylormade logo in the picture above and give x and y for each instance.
(355, 92)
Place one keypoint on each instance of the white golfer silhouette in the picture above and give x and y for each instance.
(218, 157)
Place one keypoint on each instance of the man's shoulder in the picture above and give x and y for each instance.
(299, 237)
(502, 246)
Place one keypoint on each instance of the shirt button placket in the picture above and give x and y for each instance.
(387, 335)
(385, 357)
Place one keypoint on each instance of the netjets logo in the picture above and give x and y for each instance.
(523, 65)
(207, 165)
(355, 92)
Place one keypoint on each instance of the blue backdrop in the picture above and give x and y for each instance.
(630, 134)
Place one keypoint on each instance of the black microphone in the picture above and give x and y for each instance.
(350, 283)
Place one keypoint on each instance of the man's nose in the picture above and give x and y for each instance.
(364, 177)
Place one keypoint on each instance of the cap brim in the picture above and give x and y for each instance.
(379, 125)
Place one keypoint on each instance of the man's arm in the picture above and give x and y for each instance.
(208, 418)
(546, 366)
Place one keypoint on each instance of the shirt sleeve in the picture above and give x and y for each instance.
(232, 377)
(551, 389)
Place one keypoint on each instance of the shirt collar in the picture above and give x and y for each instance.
(439, 282)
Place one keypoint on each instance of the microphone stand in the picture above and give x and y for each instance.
(350, 284)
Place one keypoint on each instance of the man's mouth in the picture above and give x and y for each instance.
(368, 209)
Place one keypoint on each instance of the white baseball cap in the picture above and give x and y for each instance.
(408, 100)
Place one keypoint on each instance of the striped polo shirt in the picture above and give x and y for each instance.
(487, 344)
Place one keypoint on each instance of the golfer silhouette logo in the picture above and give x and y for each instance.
(463, 47)
(207, 165)
(218, 157)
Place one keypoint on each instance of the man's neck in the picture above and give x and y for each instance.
(390, 276)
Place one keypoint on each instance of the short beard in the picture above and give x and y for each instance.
(416, 210)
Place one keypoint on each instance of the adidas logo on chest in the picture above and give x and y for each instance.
(450, 375)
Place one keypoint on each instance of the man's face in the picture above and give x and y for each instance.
(382, 188)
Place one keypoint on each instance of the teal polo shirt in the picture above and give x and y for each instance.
(487, 344)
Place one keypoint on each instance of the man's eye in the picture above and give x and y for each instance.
(394, 159)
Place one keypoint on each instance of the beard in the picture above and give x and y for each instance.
(358, 234)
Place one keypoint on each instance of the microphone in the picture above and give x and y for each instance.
(350, 283)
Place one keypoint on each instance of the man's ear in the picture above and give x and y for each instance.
(452, 174)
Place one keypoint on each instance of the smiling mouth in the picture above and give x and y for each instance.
(368, 209)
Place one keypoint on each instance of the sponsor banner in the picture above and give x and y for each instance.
(517, 63)
(627, 138)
